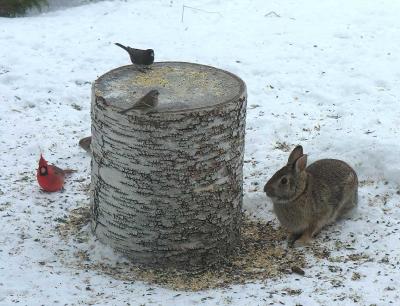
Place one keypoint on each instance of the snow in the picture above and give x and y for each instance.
(323, 74)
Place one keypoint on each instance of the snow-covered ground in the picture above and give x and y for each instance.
(324, 74)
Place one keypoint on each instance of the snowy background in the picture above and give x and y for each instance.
(324, 74)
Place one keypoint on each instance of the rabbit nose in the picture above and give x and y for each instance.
(268, 190)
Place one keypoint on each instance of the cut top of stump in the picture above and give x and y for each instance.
(182, 86)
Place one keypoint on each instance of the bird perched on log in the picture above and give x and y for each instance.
(142, 59)
(145, 104)
(50, 177)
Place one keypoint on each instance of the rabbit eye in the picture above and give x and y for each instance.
(284, 181)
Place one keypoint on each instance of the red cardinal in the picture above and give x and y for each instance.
(50, 178)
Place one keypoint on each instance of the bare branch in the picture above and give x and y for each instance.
(196, 9)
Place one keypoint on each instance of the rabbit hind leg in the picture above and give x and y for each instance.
(351, 190)
(348, 205)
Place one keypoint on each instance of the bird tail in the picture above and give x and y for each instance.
(121, 46)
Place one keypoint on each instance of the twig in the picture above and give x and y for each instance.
(272, 13)
(196, 9)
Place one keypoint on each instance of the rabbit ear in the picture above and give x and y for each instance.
(301, 163)
(295, 155)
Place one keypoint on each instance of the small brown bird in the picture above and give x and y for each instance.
(141, 58)
(145, 104)
(84, 143)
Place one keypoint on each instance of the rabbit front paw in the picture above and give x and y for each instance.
(299, 239)
(292, 238)
(304, 240)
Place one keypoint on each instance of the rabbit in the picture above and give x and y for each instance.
(307, 199)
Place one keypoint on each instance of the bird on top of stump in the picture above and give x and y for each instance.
(145, 104)
(140, 58)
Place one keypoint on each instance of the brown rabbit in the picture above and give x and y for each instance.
(307, 199)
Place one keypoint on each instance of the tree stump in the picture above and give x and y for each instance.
(167, 185)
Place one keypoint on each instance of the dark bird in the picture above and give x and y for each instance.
(145, 104)
(141, 58)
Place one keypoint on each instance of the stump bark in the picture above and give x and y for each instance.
(167, 185)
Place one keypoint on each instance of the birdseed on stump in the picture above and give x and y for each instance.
(167, 185)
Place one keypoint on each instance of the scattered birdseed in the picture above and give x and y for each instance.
(261, 255)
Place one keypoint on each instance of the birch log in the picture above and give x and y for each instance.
(167, 185)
